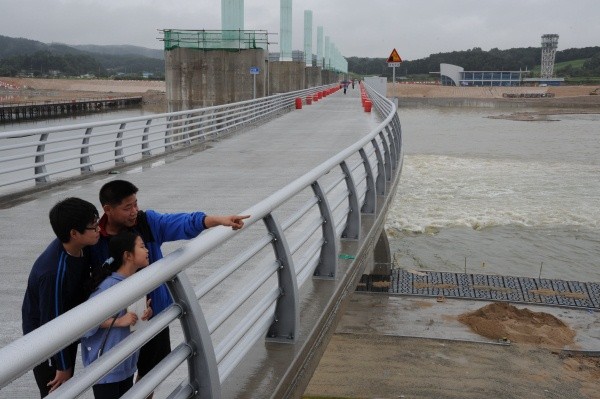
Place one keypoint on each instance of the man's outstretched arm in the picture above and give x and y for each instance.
(236, 222)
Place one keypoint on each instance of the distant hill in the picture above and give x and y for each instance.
(122, 50)
(20, 56)
(10, 47)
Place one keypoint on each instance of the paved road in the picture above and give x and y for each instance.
(227, 177)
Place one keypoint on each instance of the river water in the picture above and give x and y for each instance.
(498, 196)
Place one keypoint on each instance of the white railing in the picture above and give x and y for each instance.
(321, 207)
(40, 156)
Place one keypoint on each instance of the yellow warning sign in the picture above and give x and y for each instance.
(394, 57)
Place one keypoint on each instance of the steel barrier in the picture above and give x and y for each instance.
(323, 207)
(49, 154)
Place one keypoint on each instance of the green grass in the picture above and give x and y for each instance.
(576, 64)
(584, 80)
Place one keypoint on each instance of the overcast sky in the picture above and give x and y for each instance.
(365, 28)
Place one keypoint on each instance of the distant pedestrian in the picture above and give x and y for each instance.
(60, 279)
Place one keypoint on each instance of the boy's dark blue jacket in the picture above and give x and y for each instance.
(57, 283)
(155, 229)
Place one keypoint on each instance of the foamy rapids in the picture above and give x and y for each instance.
(438, 192)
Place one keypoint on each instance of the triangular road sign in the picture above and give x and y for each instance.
(394, 57)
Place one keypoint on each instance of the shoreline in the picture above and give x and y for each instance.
(561, 96)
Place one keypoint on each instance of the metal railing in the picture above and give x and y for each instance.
(320, 208)
(41, 156)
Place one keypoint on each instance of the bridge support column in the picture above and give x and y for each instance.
(382, 255)
(381, 261)
(378, 269)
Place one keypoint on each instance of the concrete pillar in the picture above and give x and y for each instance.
(232, 22)
(286, 76)
(232, 14)
(308, 37)
(313, 77)
(320, 46)
(285, 31)
(196, 78)
(326, 55)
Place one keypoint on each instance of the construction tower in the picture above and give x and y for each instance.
(549, 45)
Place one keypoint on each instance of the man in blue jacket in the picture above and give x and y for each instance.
(60, 280)
(119, 202)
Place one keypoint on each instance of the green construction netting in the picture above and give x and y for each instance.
(215, 39)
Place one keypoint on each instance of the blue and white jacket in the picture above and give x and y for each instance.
(57, 283)
(92, 340)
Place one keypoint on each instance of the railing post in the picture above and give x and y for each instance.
(186, 129)
(328, 258)
(85, 148)
(396, 130)
(202, 365)
(370, 204)
(352, 230)
(380, 182)
(398, 133)
(168, 133)
(39, 158)
(393, 147)
(387, 155)
(119, 145)
(145, 144)
(287, 315)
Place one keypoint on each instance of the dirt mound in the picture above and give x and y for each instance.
(504, 321)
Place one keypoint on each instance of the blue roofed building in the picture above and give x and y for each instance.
(454, 75)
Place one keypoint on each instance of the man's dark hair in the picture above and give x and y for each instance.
(114, 192)
(71, 214)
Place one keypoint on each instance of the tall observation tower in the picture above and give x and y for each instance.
(549, 45)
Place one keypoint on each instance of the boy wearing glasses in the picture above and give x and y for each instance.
(60, 279)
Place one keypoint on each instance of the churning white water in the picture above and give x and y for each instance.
(498, 196)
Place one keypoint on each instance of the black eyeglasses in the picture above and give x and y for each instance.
(96, 228)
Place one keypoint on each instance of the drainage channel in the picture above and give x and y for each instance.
(541, 291)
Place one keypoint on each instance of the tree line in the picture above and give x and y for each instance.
(32, 58)
(476, 59)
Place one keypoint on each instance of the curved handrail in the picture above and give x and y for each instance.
(275, 315)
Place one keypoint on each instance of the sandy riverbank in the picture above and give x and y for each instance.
(417, 347)
(31, 89)
(14, 90)
(437, 91)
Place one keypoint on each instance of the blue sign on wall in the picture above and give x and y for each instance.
(254, 70)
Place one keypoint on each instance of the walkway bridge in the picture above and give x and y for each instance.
(254, 309)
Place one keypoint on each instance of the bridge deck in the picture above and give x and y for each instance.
(227, 177)
(497, 288)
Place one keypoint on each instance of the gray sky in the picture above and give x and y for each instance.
(365, 28)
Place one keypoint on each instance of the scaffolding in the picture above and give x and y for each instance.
(549, 45)
(215, 39)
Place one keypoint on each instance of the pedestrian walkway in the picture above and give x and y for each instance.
(223, 177)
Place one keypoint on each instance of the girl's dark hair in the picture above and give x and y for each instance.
(117, 246)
